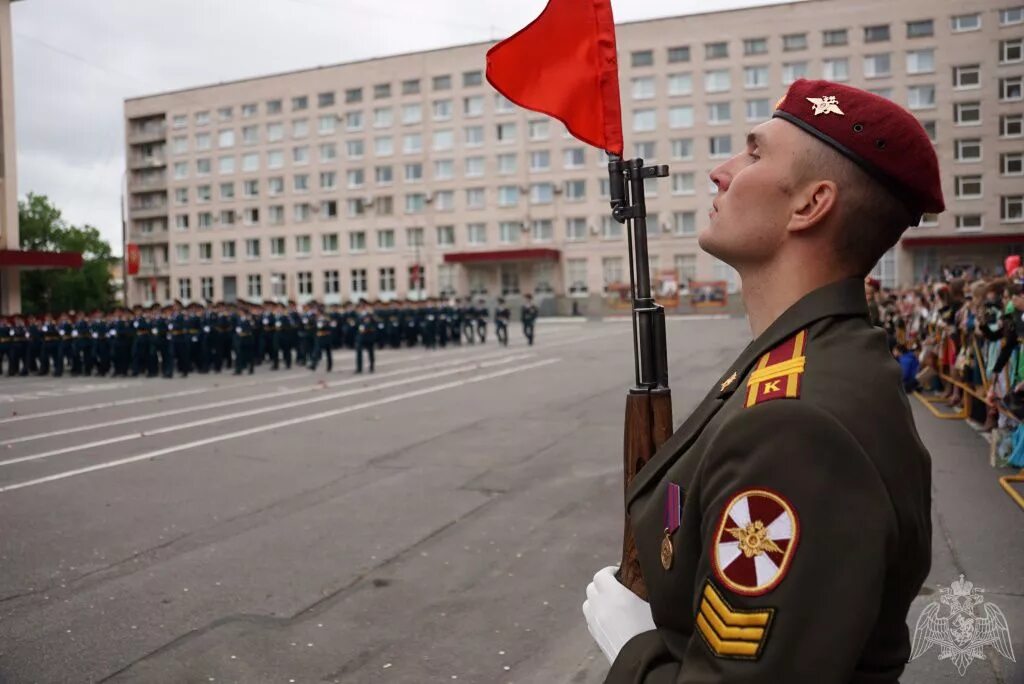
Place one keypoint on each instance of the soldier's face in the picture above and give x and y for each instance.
(753, 205)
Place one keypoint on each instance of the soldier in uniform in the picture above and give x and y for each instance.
(481, 320)
(51, 347)
(528, 315)
(366, 335)
(322, 333)
(19, 346)
(502, 315)
(784, 529)
(243, 343)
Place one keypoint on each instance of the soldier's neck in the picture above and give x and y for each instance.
(770, 290)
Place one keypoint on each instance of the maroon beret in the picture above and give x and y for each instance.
(881, 137)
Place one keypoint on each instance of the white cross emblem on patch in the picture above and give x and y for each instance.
(825, 105)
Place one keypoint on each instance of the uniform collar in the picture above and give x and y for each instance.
(841, 298)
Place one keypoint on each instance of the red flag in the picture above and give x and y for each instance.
(134, 258)
(564, 64)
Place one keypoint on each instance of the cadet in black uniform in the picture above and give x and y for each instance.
(243, 343)
(366, 336)
(785, 528)
(481, 320)
(322, 332)
(528, 315)
(502, 315)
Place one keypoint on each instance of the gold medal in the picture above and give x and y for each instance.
(666, 551)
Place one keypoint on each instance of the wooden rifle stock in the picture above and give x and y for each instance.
(648, 425)
(649, 403)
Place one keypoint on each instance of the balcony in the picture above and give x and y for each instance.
(153, 270)
(147, 161)
(155, 237)
(149, 210)
(146, 134)
(148, 182)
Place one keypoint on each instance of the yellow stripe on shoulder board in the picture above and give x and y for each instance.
(729, 632)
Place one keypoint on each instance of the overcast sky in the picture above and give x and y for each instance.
(75, 61)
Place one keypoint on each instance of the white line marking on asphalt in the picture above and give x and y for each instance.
(274, 426)
(255, 412)
(228, 385)
(280, 392)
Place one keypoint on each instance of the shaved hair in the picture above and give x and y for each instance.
(871, 217)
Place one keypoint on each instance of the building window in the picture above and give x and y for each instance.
(414, 237)
(542, 193)
(968, 187)
(967, 150)
(386, 239)
(679, 54)
(755, 46)
(611, 272)
(574, 157)
(876, 34)
(252, 248)
(930, 130)
(384, 175)
(791, 71)
(325, 99)
(474, 136)
(834, 37)
(717, 50)
(473, 106)
(300, 103)
(357, 241)
(1011, 125)
(682, 149)
(251, 216)
(476, 198)
(967, 76)
(720, 146)
(717, 81)
(412, 143)
(680, 84)
(921, 61)
(277, 247)
(332, 282)
(181, 254)
(680, 116)
(206, 288)
(575, 190)
(877, 66)
(967, 113)
(383, 117)
(181, 222)
(719, 113)
(506, 132)
(1011, 16)
(542, 230)
(642, 58)
(204, 220)
(682, 183)
(969, 222)
(755, 77)
(442, 82)
(610, 228)
(329, 243)
(684, 223)
(575, 229)
(836, 69)
(921, 97)
(300, 128)
(354, 121)
(1011, 89)
(358, 282)
(227, 250)
(411, 86)
(686, 269)
(920, 29)
(794, 41)
(185, 288)
(471, 79)
(540, 160)
(576, 276)
(1012, 208)
(445, 236)
(254, 283)
(203, 193)
(1012, 163)
(643, 88)
(508, 232)
(502, 105)
(506, 164)
(966, 22)
(476, 233)
(303, 245)
(205, 251)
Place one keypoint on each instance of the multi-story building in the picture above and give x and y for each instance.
(341, 182)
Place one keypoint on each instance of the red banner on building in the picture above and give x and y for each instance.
(133, 259)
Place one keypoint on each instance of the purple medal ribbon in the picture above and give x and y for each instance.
(673, 508)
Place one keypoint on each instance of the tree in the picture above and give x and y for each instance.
(41, 227)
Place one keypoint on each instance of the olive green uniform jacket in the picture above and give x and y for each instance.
(802, 493)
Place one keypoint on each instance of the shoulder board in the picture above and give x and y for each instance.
(777, 374)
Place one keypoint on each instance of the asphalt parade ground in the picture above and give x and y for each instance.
(436, 521)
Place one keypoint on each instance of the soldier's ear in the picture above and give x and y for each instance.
(813, 204)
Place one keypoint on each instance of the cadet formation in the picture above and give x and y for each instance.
(160, 341)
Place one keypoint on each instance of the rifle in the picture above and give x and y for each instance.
(649, 402)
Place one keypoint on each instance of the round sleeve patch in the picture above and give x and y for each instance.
(754, 542)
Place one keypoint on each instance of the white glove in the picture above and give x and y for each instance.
(614, 614)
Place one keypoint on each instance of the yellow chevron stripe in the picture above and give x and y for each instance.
(776, 370)
(732, 617)
(725, 631)
(727, 648)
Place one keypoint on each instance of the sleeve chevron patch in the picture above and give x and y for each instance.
(729, 632)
